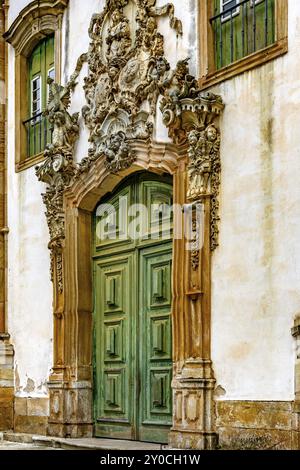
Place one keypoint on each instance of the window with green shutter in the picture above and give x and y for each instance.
(241, 27)
(40, 66)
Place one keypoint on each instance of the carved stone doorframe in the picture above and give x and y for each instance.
(126, 78)
(70, 384)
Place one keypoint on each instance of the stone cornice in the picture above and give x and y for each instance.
(38, 17)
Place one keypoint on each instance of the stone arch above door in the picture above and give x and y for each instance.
(122, 142)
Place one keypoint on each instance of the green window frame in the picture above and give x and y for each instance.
(246, 27)
(40, 65)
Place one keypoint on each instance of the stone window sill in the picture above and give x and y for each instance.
(29, 162)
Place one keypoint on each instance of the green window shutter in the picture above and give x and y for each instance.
(35, 80)
(40, 65)
(243, 29)
(49, 64)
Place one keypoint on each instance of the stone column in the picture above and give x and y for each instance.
(192, 118)
(6, 349)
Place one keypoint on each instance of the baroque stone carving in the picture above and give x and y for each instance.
(118, 153)
(127, 70)
(58, 169)
(192, 116)
(195, 253)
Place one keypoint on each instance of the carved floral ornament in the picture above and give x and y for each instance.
(127, 74)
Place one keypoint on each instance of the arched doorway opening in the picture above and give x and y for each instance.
(132, 260)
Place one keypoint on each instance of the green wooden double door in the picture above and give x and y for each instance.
(133, 344)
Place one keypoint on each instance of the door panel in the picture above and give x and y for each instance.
(115, 322)
(155, 366)
(158, 198)
(112, 220)
(133, 345)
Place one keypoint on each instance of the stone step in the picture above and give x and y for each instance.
(79, 444)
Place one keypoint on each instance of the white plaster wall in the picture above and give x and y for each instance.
(256, 269)
(29, 288)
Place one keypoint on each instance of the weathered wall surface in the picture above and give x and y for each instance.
(29, 287)
(256, 268)
(256, 274)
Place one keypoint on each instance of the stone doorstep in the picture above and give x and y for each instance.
(79, 444)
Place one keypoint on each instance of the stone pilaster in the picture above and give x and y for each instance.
(192, 118)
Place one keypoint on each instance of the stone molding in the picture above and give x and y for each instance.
(36, 20)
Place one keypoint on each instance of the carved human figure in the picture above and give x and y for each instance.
(211, 133)
(200, 166)
(150, 32)
(114, 146)
(193, 174)
(59, 139)
(155, 78)
(174, 85)
(117, 152)
(102, 89)
(96, 30)
(118, 37)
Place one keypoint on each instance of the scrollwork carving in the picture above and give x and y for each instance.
(126, 66)
(195, 253)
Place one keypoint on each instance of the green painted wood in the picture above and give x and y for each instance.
(114, 354)
(132, 318)
(155, 351)
(40, 66)
(252, 42)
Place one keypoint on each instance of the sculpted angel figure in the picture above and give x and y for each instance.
(151, 30)
(118, 37)
(64, 126)
(213, 139)
(117, 152)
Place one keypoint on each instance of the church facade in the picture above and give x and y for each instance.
(149, 221)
